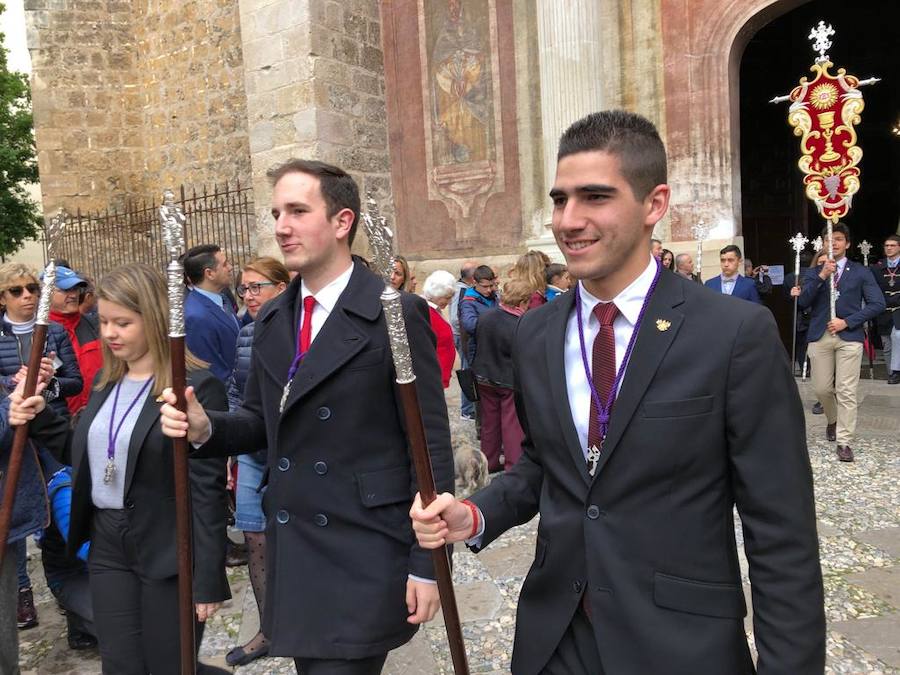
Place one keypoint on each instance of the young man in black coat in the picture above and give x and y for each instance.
(347, 581)
(636, 568)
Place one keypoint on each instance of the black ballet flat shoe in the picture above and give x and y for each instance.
(239, 657)
(80, 641)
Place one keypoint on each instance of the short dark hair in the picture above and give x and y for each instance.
(483, 273)
(731, 248)
(839, 226)
(199, 259)
(654, 240)
(630, 137)
(893, 237)
(554, 270)
(339, 190)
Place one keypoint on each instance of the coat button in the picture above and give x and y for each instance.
(284, 464)
(321, 468)
(576, 586)
(323, 413)
(282, 516)
(593, 512)
(321, 519)
(129, 504)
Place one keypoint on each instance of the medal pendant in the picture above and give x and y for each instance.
(837, 294)
(110, 472)
(593, 456)
(284, 396)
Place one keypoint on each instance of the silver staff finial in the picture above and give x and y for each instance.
(865, 248)
(54, 230)
(173, 221)
(798, 242)
(821, 44)
(381, 239)
(817, 243)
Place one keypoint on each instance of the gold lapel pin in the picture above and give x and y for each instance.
(662, 325)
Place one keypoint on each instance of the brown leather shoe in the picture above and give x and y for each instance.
(831, 432)
(844, 453)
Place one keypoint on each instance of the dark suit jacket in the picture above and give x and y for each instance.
(744, 288)
(891, 316)
(855, 285)
(150, 492)
(210, 334)
(650, 539)
(339, 544)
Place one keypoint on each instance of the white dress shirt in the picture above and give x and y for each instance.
(728, 284)
(326, 299)
(629, 302)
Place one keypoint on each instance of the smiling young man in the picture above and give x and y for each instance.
(639, 445)
(346, 580)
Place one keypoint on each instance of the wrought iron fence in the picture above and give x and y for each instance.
(94, 243)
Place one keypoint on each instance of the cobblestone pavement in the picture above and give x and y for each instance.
(858, 506)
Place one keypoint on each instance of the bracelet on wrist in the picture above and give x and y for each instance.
(475, 519)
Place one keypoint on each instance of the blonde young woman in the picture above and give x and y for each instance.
(123, 497)
(261, 280)
(531, 268)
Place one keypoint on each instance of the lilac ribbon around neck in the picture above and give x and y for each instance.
(114, 435)
(605, 411)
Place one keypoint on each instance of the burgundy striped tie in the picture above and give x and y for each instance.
(603, 365)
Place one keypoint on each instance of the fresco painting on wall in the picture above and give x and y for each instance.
(461, 93)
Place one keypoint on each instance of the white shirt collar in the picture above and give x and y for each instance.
(329, 294)
(734, 278)
(629, 301)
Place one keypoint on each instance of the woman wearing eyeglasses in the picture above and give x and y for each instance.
(19, 295)
(261, 280)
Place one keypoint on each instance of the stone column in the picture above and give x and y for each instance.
(570, 55)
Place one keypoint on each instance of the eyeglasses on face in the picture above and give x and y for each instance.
(16, 291)
(253, 287)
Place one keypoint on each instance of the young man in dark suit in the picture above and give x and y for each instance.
(635, 477)
(346, 580)
(836, 345)
(730, 282)
(887, 274)
(211, 327)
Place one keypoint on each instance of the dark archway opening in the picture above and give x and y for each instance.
(774, 206)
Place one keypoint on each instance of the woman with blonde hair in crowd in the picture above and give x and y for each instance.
(402, 278)
(531, 267)
(123, 491)
(501, 433)
(261, 280)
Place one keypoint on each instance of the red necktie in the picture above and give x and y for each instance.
(306, 327)
(603, 365)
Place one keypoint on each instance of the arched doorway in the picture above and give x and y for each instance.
(773, 206)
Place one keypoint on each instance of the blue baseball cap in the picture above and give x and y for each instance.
(66, 278)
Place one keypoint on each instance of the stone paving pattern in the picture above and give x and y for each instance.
(858, 507)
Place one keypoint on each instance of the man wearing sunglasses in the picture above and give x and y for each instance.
(83, 330)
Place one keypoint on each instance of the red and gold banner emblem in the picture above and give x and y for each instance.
(823, 113)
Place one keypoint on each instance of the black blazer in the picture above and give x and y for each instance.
(708, 417)
(339, 543)
(150, 493)
(493, 355)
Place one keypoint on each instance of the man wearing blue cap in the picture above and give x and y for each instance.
(83, 331)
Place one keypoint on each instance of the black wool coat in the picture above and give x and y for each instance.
(339, 544)
(707, 418)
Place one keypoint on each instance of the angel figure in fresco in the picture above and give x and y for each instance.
(461, 82)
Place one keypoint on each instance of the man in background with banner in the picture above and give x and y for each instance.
(836, 345)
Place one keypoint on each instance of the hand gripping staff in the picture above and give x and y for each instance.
(380, 240)
(173, 220)
(38, 342)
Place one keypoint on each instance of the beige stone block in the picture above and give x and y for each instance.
(305, 126)
(295, 40)
(356, 26)
(334, 72)
(262, 136)
(270, 79)
(293, 98)
(278, 16)
(262, 53)
(334, 127)
(48, 138)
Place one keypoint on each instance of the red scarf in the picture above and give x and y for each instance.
(515, 311)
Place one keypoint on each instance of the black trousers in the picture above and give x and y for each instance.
(369, 666)
(576, 653)
(136, 618)
(74, 596)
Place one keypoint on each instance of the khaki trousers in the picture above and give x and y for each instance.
(835, 379)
